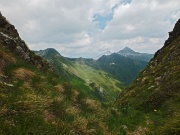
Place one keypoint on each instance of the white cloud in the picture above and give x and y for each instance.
(67, 26)
(141, 18)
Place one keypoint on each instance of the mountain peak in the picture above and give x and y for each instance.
(48, 52)
(52, 50)
(126, 50)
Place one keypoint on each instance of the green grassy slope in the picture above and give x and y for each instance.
(106, 76)
(35, 100)
(105, 88)
(38, 102)
(120, 67)
(156, 90)
(97, 79)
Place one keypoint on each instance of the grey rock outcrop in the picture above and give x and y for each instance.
(10, 39)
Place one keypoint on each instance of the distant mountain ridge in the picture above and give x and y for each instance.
(99, 56)
(120, 67)
(128, 52)
(95, 78)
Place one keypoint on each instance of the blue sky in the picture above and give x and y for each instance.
(101, 20)
(92, 27)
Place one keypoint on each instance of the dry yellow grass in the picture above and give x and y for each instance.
(5, 59)
(59, 88)
(24, 74)
(75, 94)
(80, 125)
(48, 117)
(140, 131)
(73, 110)
(92, 104)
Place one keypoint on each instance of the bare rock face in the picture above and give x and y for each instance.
(7, 28)
(176, 31)
(10, 39)
(173, 34)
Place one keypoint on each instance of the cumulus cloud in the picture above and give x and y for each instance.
(70, 26)
(141, 18)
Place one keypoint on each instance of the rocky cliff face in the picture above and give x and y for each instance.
(10, 39)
